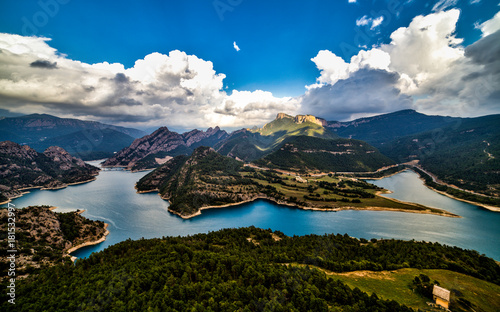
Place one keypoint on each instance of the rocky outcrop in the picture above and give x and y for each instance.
(22, 167)
(307, 118)
(282, 116)
(299, 119)
(143, 152)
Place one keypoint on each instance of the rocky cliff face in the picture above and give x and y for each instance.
(143, 152)
(23, 167)
(299, 119)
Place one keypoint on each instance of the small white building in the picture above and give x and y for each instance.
(441, 296)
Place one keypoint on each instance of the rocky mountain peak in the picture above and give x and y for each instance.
(23, 167)
(282, 116)
(302, 118)
(307, 118)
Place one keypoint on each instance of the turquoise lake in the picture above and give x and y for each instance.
(113, 199)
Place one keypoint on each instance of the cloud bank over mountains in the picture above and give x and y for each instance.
(424, 67)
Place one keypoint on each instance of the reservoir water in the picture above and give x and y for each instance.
(113, 199)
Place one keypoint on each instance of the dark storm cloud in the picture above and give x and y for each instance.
(366, 91)
(44, 64)
(485, 51)
(121, 78)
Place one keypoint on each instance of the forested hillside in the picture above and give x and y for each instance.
(465, 154)
(240, 269)
(88, 144)
(380, 129)
(336, 155)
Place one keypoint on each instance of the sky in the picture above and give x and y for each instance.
(237, 63)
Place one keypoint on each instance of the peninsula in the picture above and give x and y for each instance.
(207, 179)
(22, 168)
(46, 238)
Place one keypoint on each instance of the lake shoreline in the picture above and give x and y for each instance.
(283, 203)
(42, 188)
(488, 207)
(91, 243)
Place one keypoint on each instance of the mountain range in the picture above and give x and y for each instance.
(87, 140)
(459, 151)
(155, 149)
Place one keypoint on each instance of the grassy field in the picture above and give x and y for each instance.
(395, 285)
(307, 190)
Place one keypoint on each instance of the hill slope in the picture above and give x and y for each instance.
(152, 150)
(236, 269)
(465, 154)
(44, 237)
(310, 153)
(23, 167)
(203, 179)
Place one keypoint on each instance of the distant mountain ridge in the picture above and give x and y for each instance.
(470, 144)
(384, 128)
(83, 139)
(44, 125)
(88, 144)
(23, 167)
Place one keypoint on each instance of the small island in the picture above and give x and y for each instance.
(207, 179)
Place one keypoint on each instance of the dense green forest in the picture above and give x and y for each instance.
(244, 269)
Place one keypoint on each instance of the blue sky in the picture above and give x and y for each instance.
(277, 39)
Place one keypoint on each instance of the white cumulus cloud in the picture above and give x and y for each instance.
(174, 89)
(426, 63)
